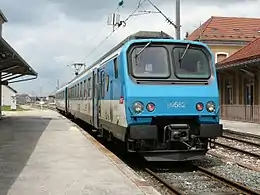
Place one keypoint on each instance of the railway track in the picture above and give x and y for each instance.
(237, 149)
(243, 140)
(242, 145)
(241, 134)
(200, 181)
(200, 177)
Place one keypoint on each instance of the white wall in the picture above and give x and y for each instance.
(6, 96)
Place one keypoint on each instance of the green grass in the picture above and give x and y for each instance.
(8, 108)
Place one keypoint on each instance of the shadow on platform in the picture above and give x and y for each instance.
(18, 138)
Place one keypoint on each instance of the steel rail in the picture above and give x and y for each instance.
(169, 186)
(237, 149)
(241, 140)
(232, 184)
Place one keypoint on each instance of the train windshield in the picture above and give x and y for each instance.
(191, 63)
(150, 62)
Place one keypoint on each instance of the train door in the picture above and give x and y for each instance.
(66, 99)
(95, 98)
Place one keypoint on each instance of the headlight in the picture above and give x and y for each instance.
(138, 107)
(211, 106)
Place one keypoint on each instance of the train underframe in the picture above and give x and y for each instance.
(172, 139)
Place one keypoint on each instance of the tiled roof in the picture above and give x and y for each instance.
(227, 28)
(248, 52)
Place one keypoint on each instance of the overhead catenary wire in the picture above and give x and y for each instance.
(115, 29)
(167, 18)
(103, 28)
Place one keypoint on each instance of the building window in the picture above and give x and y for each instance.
(220, 56)
(249, 94)
(228, 92)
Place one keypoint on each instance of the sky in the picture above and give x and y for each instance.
(51, 34)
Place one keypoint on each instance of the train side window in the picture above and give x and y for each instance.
(81, 89)
(85, 95)
(75, 88)
(74, 92)
(89, 87)
(78, 91)
(107, 82)
(116, 67)
(102, 84)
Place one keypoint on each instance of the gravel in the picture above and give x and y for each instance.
(190, 181)
(237, 156)
(154, 182)
(243, 137)
(233, 172)
(240, 145)
(195, 182)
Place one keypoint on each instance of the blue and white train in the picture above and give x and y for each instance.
(157, 95)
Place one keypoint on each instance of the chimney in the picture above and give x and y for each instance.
(3, 19)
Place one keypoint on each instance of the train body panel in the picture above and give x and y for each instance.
(159, 96)
(61, 99)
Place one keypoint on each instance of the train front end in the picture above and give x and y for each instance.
(172, 99)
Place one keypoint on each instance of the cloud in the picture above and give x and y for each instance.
(50, 34)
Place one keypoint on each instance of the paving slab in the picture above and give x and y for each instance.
(45, 153)
(242, 127)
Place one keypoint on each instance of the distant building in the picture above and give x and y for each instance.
(8, 95)
(51, 98)
(23, 99)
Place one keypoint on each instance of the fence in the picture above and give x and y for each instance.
(237, 112)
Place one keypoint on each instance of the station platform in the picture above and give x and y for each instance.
(42, 152)
(241, 127)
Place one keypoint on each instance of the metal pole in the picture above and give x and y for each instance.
(178, 19)
(0, 95)
(0, 80)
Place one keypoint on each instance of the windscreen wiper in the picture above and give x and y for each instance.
(184, 53)
(136, 55)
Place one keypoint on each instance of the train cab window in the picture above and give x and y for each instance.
(150, 61)
(194, 63)
(116, 67)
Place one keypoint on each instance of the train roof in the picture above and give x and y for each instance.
(137, 35)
